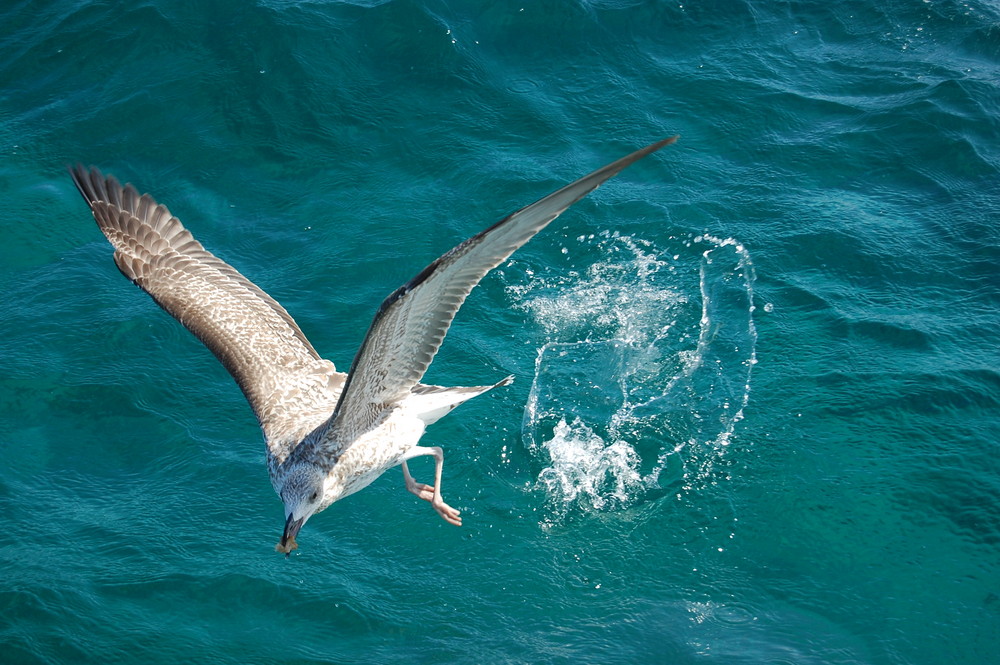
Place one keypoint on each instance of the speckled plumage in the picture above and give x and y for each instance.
(328, 434)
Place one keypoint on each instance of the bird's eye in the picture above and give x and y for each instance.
(315, 495)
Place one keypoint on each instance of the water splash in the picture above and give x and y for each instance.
(647, 366)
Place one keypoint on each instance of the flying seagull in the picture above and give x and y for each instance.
(328, 434)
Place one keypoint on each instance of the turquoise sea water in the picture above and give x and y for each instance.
(755, 418)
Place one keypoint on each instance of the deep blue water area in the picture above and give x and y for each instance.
(756, 413)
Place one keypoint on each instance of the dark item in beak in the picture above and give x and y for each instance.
(288, 543)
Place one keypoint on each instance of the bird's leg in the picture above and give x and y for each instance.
(427, 493)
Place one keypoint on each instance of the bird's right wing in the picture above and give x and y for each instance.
(412, 322)
(253, 336)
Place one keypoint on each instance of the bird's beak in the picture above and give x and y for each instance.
(288, 543)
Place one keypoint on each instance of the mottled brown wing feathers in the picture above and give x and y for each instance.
(248, 331)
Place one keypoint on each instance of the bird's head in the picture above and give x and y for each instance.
(302, 493)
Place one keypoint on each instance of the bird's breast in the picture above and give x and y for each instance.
(373, 453)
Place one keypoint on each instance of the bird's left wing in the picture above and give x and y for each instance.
(412, 322)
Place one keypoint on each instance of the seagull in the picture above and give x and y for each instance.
(328, 434)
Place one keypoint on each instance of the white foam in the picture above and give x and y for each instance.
(647, 354)
(584, 468)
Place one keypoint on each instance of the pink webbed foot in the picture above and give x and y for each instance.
(425, 492)
(449, 514)
(432, 496)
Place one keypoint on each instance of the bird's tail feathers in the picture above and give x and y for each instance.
(431, 403)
